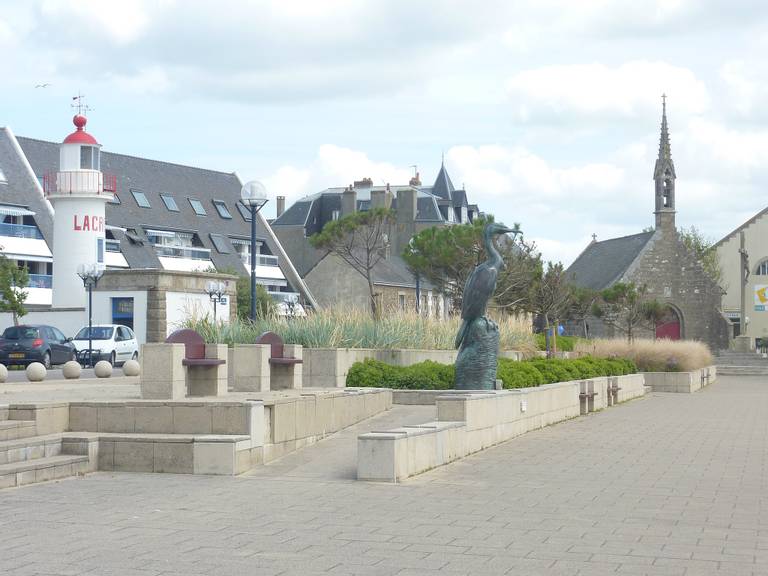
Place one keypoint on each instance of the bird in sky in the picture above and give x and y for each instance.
(43, 85)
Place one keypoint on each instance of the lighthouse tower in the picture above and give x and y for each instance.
(79, 199)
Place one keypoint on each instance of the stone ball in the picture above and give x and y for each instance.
(71, 370)
(103, 369)
(131, 368)
(36, 372)
(3, 373)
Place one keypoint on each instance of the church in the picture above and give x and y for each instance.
(658, 259)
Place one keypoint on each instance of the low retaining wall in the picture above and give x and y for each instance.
(681, 382)
(470, 422)
(631, 386)
(292, 423)
(328, 367)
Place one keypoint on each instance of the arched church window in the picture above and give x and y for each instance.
(666, 192)
(762, 268)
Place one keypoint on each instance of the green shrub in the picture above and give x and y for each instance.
(426, 375)
(518, 374)
(564, 343)
(430, 375)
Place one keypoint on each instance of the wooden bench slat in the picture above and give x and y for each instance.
(202, 362)
(286, 361)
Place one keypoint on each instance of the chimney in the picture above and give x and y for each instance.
(406, 206)
(415, 181)
(381, 198)
(280, 206)
(364, 183)
(348, 201)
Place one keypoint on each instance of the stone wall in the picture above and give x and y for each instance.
(157, 284)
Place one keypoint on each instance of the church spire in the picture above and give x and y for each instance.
(664, 176)
(665, 151)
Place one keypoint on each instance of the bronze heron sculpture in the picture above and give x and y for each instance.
(482, 282)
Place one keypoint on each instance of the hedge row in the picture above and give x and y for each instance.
(564, 343)
(430, 375)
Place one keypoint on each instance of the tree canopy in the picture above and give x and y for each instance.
(12, 281)
(361, 240)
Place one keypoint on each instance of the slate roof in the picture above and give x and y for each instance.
(315, 210)
(602, 264)
(153, 177)
(443, 186)
(21, 187)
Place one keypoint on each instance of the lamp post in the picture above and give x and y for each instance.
(90, 275)
(216, 292)
(254, 195)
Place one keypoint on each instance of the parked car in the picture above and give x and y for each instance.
(22, 345)
(112, 342)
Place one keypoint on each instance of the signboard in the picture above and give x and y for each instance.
(761, 297)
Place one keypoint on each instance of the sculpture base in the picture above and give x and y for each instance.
(478, 356)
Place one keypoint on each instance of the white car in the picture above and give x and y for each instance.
(112, 342)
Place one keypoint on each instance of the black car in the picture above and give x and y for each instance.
(22, 345)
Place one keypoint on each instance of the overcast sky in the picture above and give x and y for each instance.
(547, 111)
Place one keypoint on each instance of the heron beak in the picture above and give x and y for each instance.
(506, 230)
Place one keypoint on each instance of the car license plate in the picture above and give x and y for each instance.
(16, 355)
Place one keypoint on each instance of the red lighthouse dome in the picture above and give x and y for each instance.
(80, 136)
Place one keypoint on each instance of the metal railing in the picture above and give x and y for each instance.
(20, 231)
(284, 296)
(79, 182)
(183, 252)
(40, 281)
(261, 260)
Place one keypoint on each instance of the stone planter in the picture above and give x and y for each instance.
(681, 382)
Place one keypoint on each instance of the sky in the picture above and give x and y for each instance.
(546, 111)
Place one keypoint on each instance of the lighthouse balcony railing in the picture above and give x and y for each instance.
(79, 182)
(193, 253)
(40, 281)
(20, 231)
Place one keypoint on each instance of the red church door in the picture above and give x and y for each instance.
(669, 326)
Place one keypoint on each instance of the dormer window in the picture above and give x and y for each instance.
(222, 209)
(90, 158)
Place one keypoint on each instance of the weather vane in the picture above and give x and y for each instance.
(79, 103)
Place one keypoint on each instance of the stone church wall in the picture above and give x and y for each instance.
(673, 275)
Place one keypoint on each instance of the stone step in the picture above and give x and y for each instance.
(15, 429)
(742, 370)
(42, 469)
(32, 448)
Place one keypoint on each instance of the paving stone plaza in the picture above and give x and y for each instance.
(671, 484)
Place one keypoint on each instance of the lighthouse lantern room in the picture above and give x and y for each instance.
(78, 196)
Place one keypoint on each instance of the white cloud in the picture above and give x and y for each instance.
(499, 171)
(121, 22)
(147, 81)
(593, 90)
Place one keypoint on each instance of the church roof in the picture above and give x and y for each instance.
(602, 264)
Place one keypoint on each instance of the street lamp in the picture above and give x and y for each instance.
(90, 274)
(254, 195)
(216, 292)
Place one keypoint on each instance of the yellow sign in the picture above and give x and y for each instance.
(761, 295)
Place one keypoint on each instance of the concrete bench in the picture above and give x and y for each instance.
(285, 361)
(183, 365)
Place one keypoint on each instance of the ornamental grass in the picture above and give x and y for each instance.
(651, 355)
(353, 328)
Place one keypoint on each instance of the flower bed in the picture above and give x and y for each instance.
(513, 374)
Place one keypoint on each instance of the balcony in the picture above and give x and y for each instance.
(188, 252)
(284, 296)
(40, 281)
(79, 182)
(20, 231)
(261, 260)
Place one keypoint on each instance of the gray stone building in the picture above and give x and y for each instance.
(659, 260)
(416, 206)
